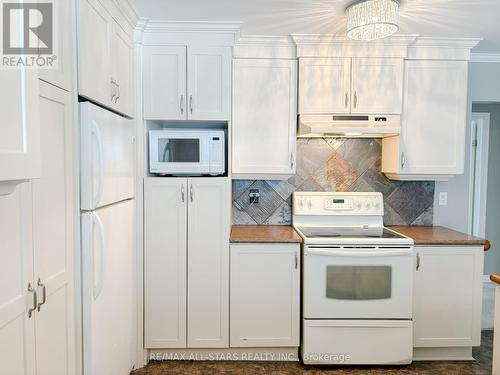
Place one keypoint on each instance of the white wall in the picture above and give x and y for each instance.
(484, 86)
(492, 257)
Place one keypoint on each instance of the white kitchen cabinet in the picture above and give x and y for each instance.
(265, 295)
(377, 85)
(187, 83)
(187, 223)
(350, 85)
(53, 235)
(264, 117)
(164, 83)
(209, 225)
(324, 85)
(447, 296)
(209, 83)
(20, 127)
(432, 141)
(165, 257)
(17, 328)
(105, 57)
(65, 38)
(37, 316)
(123, 65)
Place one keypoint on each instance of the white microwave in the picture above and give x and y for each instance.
(187, 152)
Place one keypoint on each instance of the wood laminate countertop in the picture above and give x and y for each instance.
(495, 278)
(439, 236)
(264, 234)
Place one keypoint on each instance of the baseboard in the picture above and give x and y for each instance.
(443, 354)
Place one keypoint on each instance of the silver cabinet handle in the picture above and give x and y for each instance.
(118, 96)
(296, 257)
(346, 100)
(33, 300)
(355, 99)
(182, 193)
(191, 192)
(44, 294)
(291, 160)
(418, 261)
(113, 90)
(191, 104)
(182, 104)
(403, 160)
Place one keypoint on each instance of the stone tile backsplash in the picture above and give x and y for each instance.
(334, 164)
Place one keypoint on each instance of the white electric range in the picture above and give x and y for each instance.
(357, 281)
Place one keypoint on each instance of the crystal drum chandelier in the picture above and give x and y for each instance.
(372, 19)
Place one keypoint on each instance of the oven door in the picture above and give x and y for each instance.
(369, 282)
(179, 153)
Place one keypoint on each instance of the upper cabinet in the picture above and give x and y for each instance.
(264, 118)
(105, 56)
(432, 141)
(350, 85)
(187, 83)
(20, 127)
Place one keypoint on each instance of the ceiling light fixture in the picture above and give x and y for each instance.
(372, 19)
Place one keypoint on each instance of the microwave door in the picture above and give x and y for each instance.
(183, 155)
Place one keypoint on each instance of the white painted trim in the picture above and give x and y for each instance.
(431, 48)
(478, 176)
(190, 26)
(443, 354)
(128, 10)
(265, 46)
(485, 58)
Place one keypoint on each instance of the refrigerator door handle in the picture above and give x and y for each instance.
(94, 129)
(98, 286)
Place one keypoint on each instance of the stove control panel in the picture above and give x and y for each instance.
(338, 204)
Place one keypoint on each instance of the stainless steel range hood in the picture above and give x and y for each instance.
(352, 126)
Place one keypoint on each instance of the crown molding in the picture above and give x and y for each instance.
(442, 48)
(265, 46)
(128, 11)
(485, 58)
(190, 26)
(329, 45)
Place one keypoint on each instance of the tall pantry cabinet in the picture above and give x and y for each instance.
(38, 215)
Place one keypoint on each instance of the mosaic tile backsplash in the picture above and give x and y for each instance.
(334, 164)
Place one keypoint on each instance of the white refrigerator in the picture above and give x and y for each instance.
(108, 236)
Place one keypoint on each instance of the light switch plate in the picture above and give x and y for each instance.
(443, 198)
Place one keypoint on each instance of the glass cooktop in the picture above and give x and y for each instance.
(325, 232)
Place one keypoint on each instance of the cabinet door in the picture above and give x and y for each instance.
(208, 262)
(53, 239)
(434, 117)
(377, 86)
(164, 83)
(123, 57)
(324, 85)
(264, 116)
(17, 331)
(447, 296)
(265, 295)
(65, 37)
(165, 235)
(19, 130)
(209, 83)
(95, 28)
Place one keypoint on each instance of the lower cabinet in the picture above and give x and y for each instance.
(187, 224)
(37, 220)
(265, 295)
(447, 296)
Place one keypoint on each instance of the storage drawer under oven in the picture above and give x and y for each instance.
(358, 282)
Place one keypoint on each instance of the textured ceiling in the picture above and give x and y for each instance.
(438, 18)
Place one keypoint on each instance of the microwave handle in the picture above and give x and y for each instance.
(357, 254)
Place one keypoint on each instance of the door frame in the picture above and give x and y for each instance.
(478, 176)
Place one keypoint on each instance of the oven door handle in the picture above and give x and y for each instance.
(366, 254)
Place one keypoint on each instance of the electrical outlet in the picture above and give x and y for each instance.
(254, 195)
(443, 198)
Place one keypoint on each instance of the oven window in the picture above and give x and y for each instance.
(182, 150)
(358, 282)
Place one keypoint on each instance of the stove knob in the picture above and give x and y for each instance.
(358, 206)
(376, 205)
(368, 205)
(301, 203)
(309, 204)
